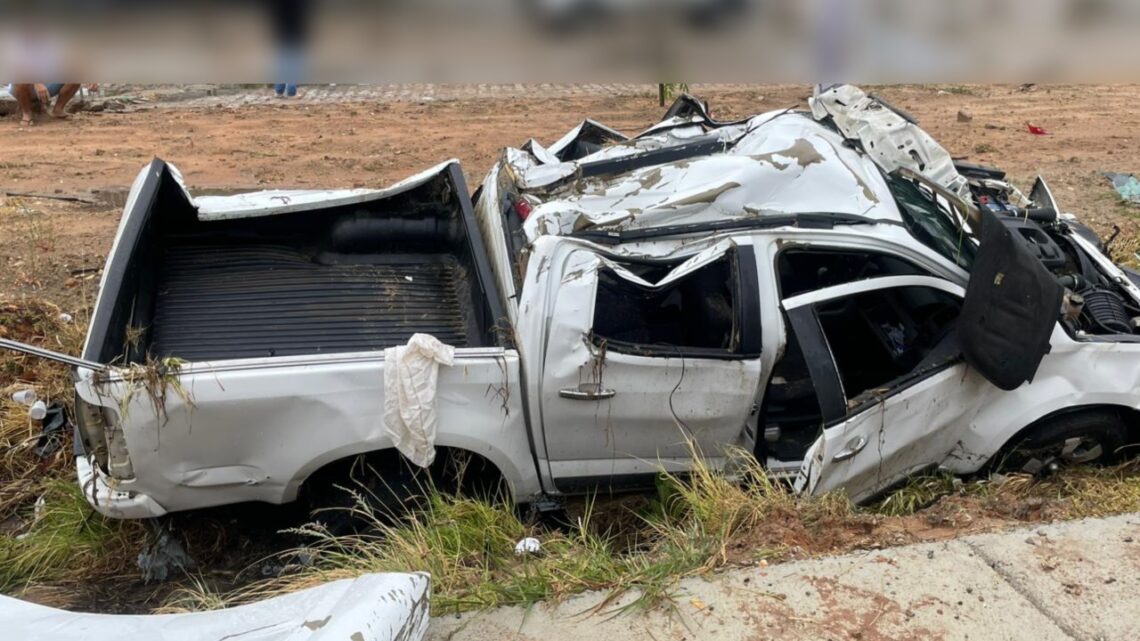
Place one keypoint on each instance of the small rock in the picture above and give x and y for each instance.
(1042, 533)
(969, 590)
(1030, 541)
(930, 554)
(964, 116)
(99, 152)
(990, 125)
(1127, 539)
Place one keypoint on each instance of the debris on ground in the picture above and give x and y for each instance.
(164, 557)
(1035, 130)
(529, 545)
(1126, 185)
(54, 432)
(373, 607)
(964, 116)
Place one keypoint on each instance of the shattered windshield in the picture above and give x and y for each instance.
(930, 223)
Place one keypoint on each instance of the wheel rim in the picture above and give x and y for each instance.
(1075, 450)
(1081, 449)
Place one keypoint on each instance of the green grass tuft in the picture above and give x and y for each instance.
(65, 537)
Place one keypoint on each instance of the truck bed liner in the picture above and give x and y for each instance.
(256, 300)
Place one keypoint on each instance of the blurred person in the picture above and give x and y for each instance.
(290, 29)
(27, 95)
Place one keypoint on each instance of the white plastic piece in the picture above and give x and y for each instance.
(411, 376)
(64, 317)
(373, 607)
(25, 397)
(529, 545)
(38, 411)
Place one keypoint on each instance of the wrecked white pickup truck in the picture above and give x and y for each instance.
(824, 288)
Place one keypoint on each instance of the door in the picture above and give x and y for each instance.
(886, 364)
(643, 362)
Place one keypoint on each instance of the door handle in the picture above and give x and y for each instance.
(854, 446)
(587, 392)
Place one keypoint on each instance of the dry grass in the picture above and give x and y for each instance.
(468, 546)
(24, 475)
(49, 531)
(695, 525)
(63, 537)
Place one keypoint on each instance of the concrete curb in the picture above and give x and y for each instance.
(1076, 580)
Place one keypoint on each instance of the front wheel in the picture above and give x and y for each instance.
(1094, 437)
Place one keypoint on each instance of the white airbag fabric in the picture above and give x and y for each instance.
(411, 375)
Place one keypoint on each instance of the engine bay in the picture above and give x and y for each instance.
(1095, 302)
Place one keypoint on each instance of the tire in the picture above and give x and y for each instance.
(1092, 437)
(369, 490)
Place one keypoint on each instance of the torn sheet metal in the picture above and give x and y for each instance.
(581, 140)
(373, 607)
(777, 163)
(284, 201)
(889, 136)
(411, 378)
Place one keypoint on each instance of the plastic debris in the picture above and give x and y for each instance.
(1035, 130)
(1126, 185)
(38, 411)
(529, 545)
(25, 397)
(54, 433)
(164, 555)
(64, 317)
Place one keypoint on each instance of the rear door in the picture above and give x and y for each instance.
(644, 362)
(888, 370)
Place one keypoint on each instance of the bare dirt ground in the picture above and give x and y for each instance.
(53, 249)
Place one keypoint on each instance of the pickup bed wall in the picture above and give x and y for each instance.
(346, 278)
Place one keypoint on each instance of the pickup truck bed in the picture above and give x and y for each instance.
(241, 301)
(287, 278)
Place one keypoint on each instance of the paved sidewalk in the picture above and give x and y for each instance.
(1077, 580)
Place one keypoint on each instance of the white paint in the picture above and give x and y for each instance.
(373, 607)
(284, 201)
(888, 138)
(280, 419)
(776, 163)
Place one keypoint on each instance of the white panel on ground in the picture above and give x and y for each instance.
(373, 607)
